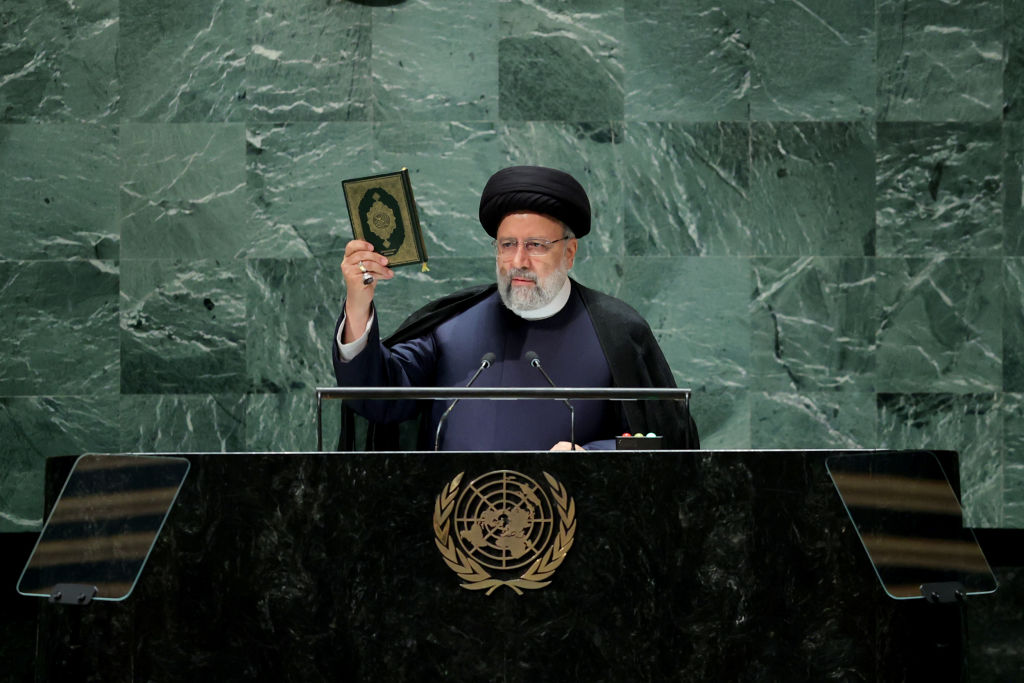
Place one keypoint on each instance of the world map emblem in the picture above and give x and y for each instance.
(504, 529)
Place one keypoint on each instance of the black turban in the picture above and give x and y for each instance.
(534, 188)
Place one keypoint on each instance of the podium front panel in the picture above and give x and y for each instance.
(313, 566)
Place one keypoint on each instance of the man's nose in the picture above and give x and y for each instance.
(521, 257)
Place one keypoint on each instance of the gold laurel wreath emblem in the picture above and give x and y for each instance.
(537, 575)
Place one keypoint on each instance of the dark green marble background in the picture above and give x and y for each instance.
(817, 205)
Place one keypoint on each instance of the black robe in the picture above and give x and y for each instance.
(633, 356)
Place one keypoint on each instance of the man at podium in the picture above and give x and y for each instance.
(534, 313)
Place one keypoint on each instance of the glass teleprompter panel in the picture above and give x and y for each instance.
(910, 523)
(103, 526)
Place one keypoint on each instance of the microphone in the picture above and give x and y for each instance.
(535, 362)
(486, 361)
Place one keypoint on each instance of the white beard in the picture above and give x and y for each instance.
(520, 299)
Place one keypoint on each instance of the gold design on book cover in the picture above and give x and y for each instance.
(504, 529)
(382, 220)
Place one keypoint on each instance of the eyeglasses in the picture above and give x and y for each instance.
(534, 247)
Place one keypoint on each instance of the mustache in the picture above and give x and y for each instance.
(522, 274)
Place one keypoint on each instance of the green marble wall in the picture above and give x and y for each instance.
(817, 205)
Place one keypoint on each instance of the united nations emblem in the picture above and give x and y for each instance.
(503, 530)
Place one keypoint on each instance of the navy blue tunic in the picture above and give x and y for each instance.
(566, 343)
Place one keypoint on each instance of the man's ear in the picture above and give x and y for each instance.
(570, 253)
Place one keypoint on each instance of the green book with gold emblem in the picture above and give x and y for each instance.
(383, 212)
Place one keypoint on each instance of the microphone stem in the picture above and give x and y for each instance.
(572, 424)
(486, 363)
(572, 413)
(440, 424)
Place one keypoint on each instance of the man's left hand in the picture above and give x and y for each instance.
(566, 446)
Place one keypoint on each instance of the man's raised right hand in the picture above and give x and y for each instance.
(359, 296)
